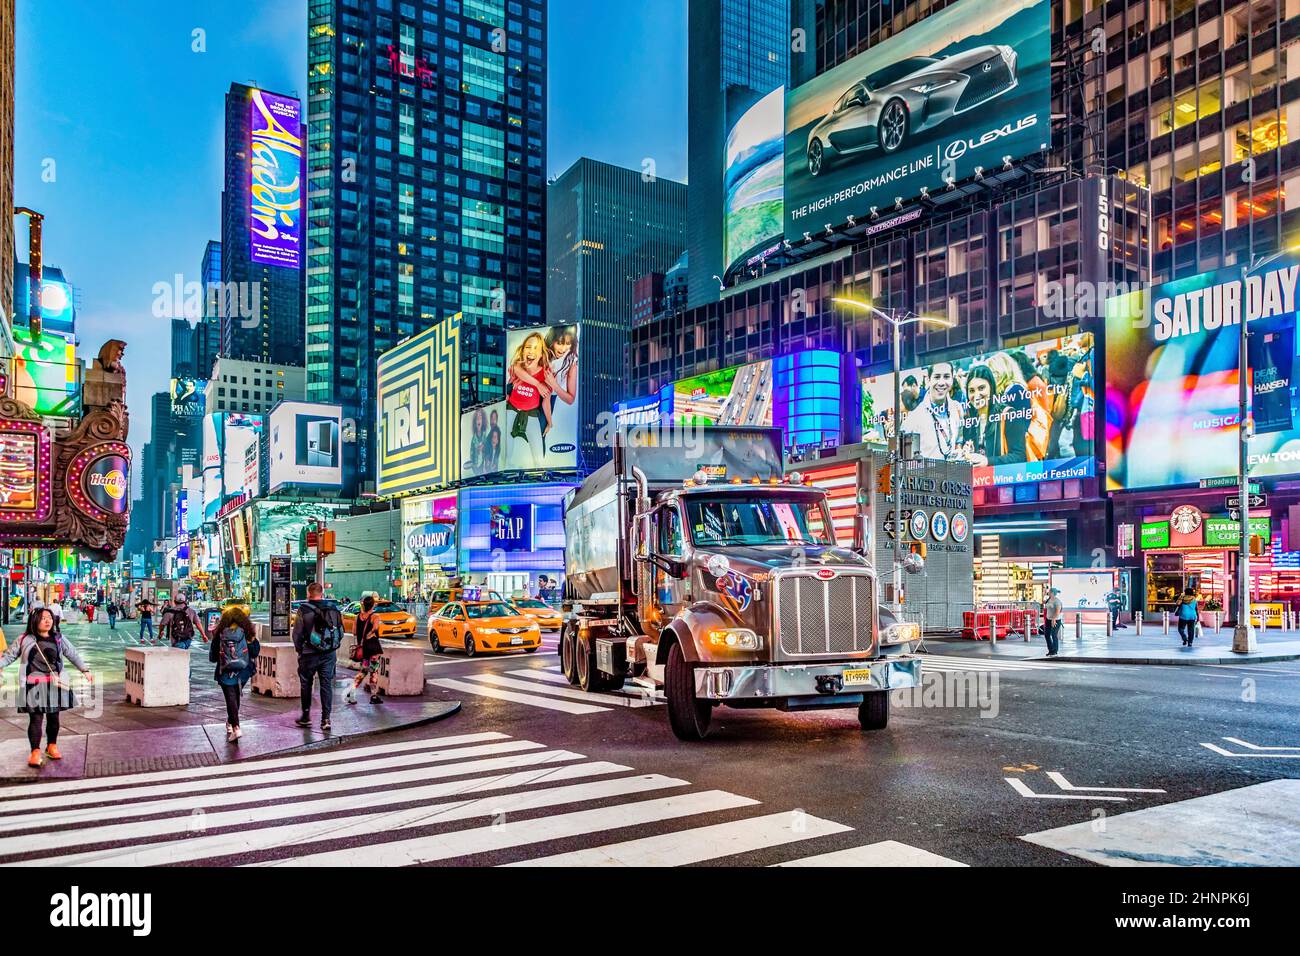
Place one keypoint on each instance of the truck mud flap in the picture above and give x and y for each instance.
(820, 702)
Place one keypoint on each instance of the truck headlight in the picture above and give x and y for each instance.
(735, 639)
(901, 632)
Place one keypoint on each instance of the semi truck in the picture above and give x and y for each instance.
(694, 565)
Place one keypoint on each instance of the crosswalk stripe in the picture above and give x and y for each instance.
(547, 703)
(227, 770)
(885, 853)
(555, 677)
(684, 847)
(581, 823)
(287, 792)
(368, 824)
(151, 831)
(568, 693)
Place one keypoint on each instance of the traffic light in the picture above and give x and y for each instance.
(1256, 546)
(884, 485)
(326, 542)
(388, 556)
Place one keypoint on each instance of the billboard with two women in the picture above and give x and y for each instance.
(536, 427)
(1020, 414)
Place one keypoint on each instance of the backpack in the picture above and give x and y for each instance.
(326, 631)
(182, 627)
(232, 652)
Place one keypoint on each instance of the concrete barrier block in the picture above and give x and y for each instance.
(401, 671)
(277, 671)
(344, 653)
(157, 676)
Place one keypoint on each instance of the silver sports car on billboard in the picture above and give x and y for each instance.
(885, 108)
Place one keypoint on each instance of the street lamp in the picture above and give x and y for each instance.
(897, 318)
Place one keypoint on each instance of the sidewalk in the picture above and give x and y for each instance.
(1125, 647)
(124, 738)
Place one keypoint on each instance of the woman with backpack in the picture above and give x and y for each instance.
(45, 691)
(367, 653)
(234, 649)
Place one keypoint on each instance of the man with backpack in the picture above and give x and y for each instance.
(180, 623)
(317, 636)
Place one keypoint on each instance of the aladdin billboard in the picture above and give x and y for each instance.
(418, 407)
(964, 88)
(275, 187)
(1172, 356)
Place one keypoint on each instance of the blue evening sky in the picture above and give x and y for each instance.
(115, 107)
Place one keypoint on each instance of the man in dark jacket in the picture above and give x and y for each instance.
(319, 623)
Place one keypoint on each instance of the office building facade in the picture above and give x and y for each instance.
(606, 228)
(260, 304)
(738, 52)
(426, 190)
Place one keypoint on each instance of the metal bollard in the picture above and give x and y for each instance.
(993, 635)
(1110, 624)
(1166, 619)
(1137, 622)
(1078, 627)
(1218, 621)
(1263, 621)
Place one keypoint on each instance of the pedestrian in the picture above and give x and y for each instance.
(1189, 613)
(234, 650)
(1052, 611)
(45, 692)
(111, 610)
(1114, 601)
(317, 635)
(146, 608)
(90, 613)
(180, 623)
(367, 653)
(57, 610)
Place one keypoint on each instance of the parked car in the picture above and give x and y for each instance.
(483, 626)
(885, 109)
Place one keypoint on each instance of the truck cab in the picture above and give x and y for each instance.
(733, 591)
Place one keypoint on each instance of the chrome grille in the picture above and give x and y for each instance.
(816, 618)
(983, 86)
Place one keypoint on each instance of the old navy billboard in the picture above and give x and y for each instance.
(275, 188)
(964, 88)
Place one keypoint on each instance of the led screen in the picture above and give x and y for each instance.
(304, 445)
(1017, 415)
(1172, 403)
(963, 88)
(754, 179)
(275, 187)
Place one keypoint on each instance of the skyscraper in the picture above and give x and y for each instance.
(426, 190)
(606, 228)
(6, 159)
(261, 256)
(208, 333)
(738, 53)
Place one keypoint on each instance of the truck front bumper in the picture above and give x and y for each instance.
(828, 682)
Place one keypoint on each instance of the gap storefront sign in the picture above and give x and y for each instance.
(512, 528)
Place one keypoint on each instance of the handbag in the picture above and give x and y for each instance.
(56, 677)
(357, 656)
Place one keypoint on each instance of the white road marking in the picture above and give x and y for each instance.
(534, 700)
(566, 692)
(1252, 826)
(1022, 788)
(1060, 781)
(886, 853)
(684, 847)
(1236, 740)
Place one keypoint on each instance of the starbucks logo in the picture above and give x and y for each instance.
(1186, 519)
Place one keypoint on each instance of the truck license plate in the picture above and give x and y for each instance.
(853, 678)
(516, 640)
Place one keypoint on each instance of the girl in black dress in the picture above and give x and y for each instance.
(45, 691)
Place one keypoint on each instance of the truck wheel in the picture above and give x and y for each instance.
(584, 663)
(689, 718)
(567, 654)
(873, 712)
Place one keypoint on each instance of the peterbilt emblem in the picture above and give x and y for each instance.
(825, 574)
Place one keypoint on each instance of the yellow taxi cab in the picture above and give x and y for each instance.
(547, 617)
(391, 620)
(482, 626)
(442, 596)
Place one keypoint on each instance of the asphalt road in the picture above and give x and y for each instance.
(533, 771)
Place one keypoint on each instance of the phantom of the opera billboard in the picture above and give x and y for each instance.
(1172, 399)
(965, 88)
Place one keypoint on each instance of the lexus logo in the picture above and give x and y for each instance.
(988, 67)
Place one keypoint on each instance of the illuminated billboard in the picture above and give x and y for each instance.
(418, 408)
(229, 440)
(963, 88)
(276, 526)
(536, 426)
(1017, 415)
(1172, 404)
(187, 397)
(754, 179)
(275, 179)
(47, 374)
(741, 395)
(58, 304)
(304, 446)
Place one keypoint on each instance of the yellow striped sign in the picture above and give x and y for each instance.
(418, 408)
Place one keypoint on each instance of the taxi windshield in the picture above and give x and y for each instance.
(488, 610)
(386, 607)
(531, 602)
(727, 521)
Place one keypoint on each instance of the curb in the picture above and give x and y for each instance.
(1176, 662)
(453, 708)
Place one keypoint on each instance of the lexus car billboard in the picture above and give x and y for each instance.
(536, 426)
(1172, 402)
(961, 89)
(754, 179)
(304, 446)
(1017, 415)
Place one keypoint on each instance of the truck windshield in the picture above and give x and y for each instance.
(725, 521)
